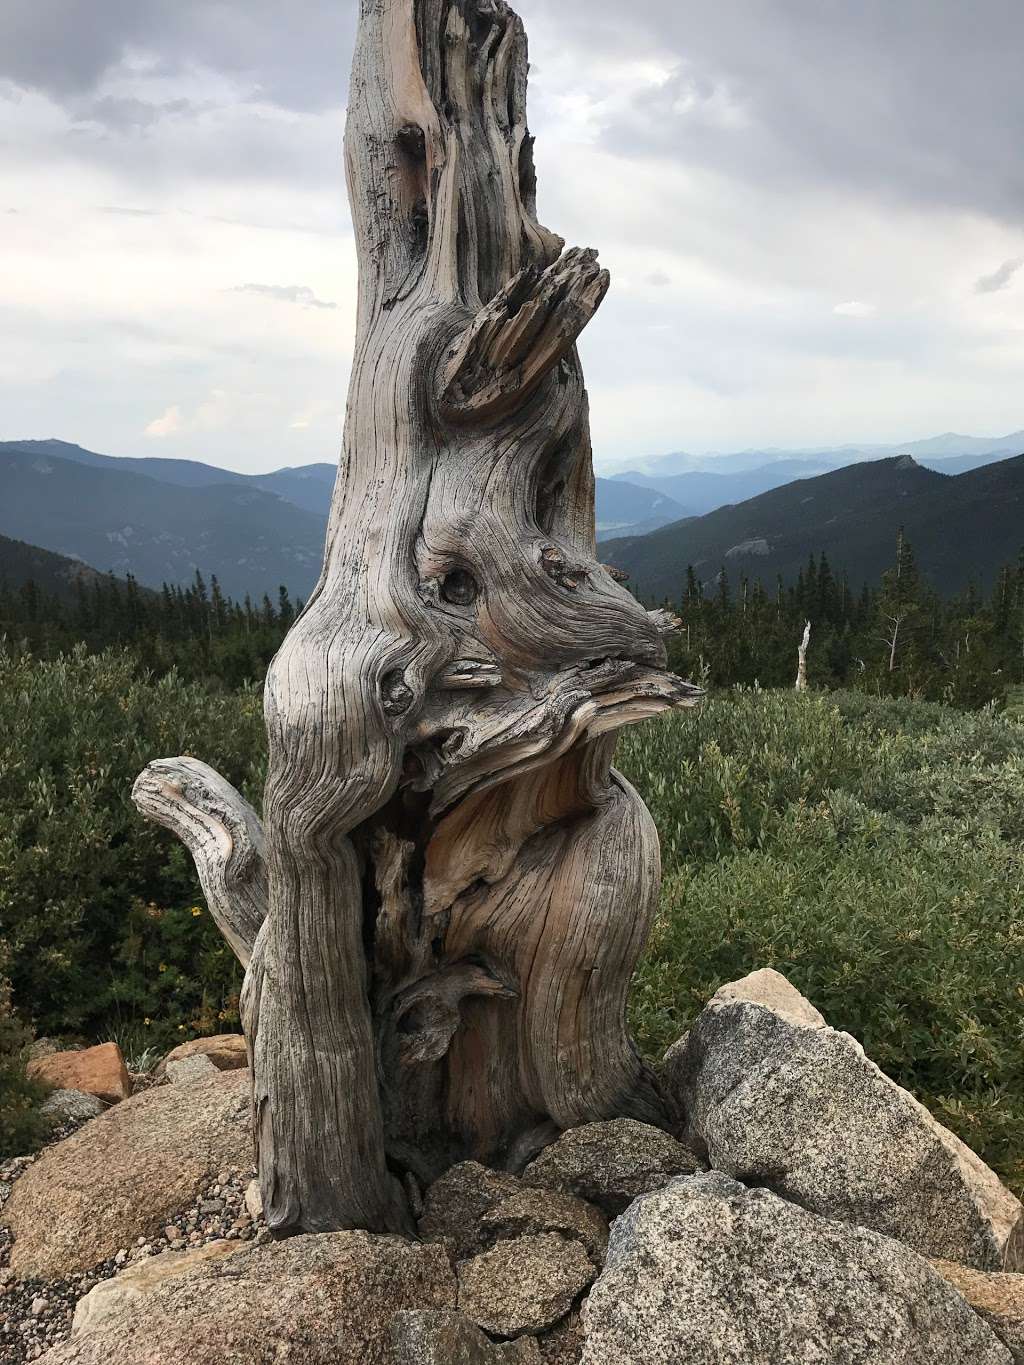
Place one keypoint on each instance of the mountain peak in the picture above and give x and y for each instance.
(906, 462)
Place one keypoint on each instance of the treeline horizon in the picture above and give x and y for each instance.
(898, 638)
(197, 630)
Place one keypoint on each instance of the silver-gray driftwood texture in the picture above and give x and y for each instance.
(445, 902)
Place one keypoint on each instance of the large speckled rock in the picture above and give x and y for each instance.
(441, 1337)
(706, 1272)
(455, 1204)
(775, 1097)
(112, 1297)
(320, 1300)
(126, 1173)
(996, 1296)
(536, 1210)
(226, 1052)
(610, 1164)
(524, 1285)
(98, 1071)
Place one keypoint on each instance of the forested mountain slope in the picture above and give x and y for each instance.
(963, 528)
(125, 522)
(54, 574)
(163, 519)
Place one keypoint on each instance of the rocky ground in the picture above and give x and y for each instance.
(36, 1313)
(806, 1211)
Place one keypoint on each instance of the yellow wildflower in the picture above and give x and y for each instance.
(196, 910)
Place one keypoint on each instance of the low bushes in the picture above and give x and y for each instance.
(873, 852)
(96, 905)
(870, 849)
(22, 1126)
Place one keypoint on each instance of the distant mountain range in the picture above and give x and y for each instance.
(160, 529)
(160, 519)
(962, 528)
(704, 483)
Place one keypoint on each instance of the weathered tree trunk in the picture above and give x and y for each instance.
(801, 661)
(459, 883)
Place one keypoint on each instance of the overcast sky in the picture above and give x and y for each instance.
(813, 212)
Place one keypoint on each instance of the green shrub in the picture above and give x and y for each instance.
(22, 1127)
(94, 899)
(873, 852)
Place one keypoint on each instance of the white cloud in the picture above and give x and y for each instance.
(166, 425)
(855, 309)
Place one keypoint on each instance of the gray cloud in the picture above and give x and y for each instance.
(298, 60)
(916, 102)
(745, 168)
(129, 115)
(999, 279)
(286, 293)
(919, 101)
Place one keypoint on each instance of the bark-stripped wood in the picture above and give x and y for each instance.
(801, 660)
(459, 882)
(225, 837)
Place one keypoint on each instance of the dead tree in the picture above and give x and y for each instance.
(451, 884)
(801, 664)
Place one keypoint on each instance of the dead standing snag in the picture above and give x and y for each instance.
(458, 882)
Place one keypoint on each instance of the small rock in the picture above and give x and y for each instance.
(97, 1071)
(538, 1210)
(185, 1070)
(776, 1097)
(443, 1337)
(998, 1297)
(39, 1307)
(610, 1164)
(456, 1202)
(706, 1272)
(226, 1052)
(254, 1200)
(524, 1285)
(72, 1106)
(563, 1345)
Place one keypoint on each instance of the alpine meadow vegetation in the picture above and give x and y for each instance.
(870, 848)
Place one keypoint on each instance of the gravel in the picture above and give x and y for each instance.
(36, 1314)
